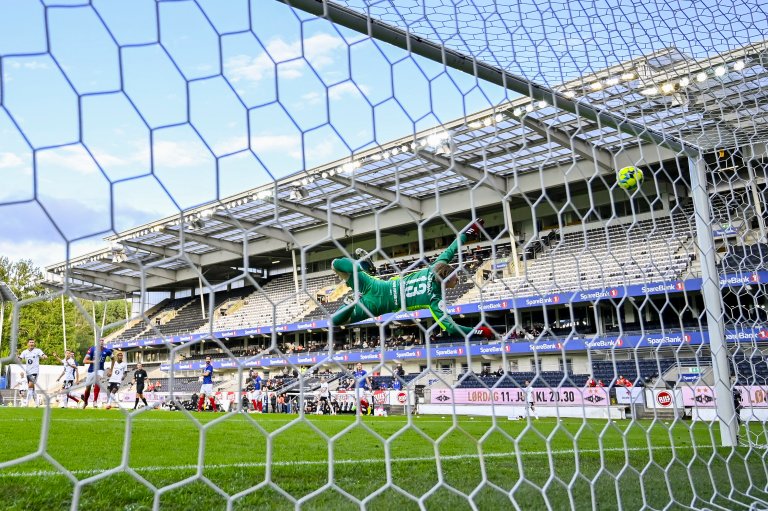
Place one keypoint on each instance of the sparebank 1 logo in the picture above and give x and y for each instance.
(687, 337)
(507, 348)
(559, 345)
(763, 333)
(461, 351)
(555, 298)
(619, 342)
(613, 293)
(504, 304)
(680, 286)
(418, 353)
(755, 277)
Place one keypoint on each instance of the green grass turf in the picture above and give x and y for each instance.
(572, 464)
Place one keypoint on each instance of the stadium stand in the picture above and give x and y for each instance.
(647, 251)
(639, 371)
(141, 328)
(739, 258)
(274, 303)
(385, 382)
(750, 369)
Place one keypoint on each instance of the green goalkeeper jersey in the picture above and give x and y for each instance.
(422, 290)
(419, 290)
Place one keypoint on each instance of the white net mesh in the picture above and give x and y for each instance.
(434, 253)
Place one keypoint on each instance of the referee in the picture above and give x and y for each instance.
(139, 376)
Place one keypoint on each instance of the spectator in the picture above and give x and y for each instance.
(591, 382)
(600, 383)
(399, 371)
(623, 382)
(737, 408)
(265, 401)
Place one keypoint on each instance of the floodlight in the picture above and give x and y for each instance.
(298, 193)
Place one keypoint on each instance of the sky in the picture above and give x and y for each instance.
(120, 112)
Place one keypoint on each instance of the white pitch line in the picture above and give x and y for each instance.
(281, 420)
(88, 472)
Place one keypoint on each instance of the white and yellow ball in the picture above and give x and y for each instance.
(630, 178)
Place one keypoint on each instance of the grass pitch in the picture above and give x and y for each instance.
(110, 460)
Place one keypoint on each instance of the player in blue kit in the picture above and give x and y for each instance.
(95, 372)
(360, 375)
(207, 388)
(359, 385)
(255, 396)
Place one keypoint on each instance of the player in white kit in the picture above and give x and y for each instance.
(31, 357)
(70, 375)
(325, 398)
(116, 374)
(530, 402)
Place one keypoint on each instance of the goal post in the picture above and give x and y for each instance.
(713, 303)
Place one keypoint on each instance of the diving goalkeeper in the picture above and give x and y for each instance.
(422, 289)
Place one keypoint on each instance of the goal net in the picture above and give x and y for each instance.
(372, 253)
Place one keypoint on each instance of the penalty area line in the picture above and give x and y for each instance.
(414, 459)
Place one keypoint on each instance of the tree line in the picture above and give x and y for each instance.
(41, 318)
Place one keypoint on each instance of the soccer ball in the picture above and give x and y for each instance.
(630, 178)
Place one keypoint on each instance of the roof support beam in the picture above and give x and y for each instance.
(229, 246)
(151, 270)
(121, 282)
(601, 157)
(492, 181)
(93, 296)
(323, 215)
(163, 251)
(266, 230)
(381, 193)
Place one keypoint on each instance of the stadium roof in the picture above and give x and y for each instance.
(473, 162)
